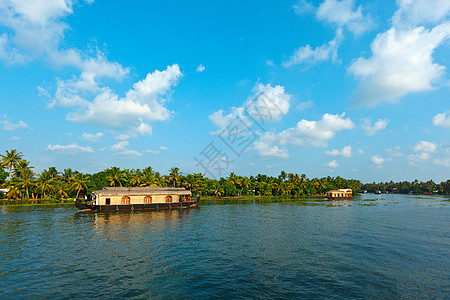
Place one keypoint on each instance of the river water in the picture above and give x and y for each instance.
(376, 246)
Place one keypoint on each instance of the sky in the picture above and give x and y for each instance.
(357, 89)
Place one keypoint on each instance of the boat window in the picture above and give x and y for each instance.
(148, 199)
(168, 199)
(108, 201)
(125, 200)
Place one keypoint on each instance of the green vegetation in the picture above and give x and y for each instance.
(17, 176)
(404, 187)
(51, 185)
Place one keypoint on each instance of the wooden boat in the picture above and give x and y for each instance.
(137, 198)
(339, 194)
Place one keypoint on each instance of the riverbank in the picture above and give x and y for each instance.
(33, 202)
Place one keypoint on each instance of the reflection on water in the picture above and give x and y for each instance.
(394, 246)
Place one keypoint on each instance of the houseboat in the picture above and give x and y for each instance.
(339, 194)
(136, 198)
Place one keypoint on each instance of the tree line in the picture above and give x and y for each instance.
(20, 181)
(405, 187)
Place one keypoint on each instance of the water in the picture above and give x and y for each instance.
(377, 246)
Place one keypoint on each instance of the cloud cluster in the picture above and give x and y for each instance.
(402, 61)
(344, 152)
(370, 129)
(442, 120)
(305, 133)
(423, 151)
(377, 160)
(121, 148)
(10, 126)
(70, 149)
(332, 164)
(267, 104)
(141, 106)
(200, 68)
(324, 52)
(36, 31)
(92, 137)
(338, 13)
(341, 13)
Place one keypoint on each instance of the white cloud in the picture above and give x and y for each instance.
(402, 61)
(377, 159)
(420, 12)
(10, 126)
(266, 104)
(345, 152)
(424, 146)
(303, 7)
(152, 151)
(370, 129)
(442, 162)
(10, 54)
(122, 137)
(92, 137)
(200, 68)
(122, 149)
(321, 53)
(305, 133)
(70, 149)
(164, 148)
(423, 151)
(342, 14)
(332, 164)
(442, 120)
(418, 158)
(264, 149)
(141, 106)
(305, 105)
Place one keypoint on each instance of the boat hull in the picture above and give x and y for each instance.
(130, 207)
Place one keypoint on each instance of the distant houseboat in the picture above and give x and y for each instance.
(339, 194)
(136, 198)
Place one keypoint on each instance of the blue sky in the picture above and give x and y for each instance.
(357, 89)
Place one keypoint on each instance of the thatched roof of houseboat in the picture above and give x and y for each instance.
(137, 191)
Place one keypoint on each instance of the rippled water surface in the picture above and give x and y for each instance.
(377, 246)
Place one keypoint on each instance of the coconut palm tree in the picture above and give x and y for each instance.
(61, 188)
(67, 175)
(14, 191)
(10, 160)
(80, 182)
(45, 183)
(115, 176)
(174, 175)
(136, 176)
(23, 166)
(27, 181)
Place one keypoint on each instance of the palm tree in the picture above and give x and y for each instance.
(61, 187)
(27, 181)
(80, 182)
(45, 183)
(115, 176)
(67, 175)
(10, 160)
(13, 189)
(174, 175)
(136, 177)
(22, 167)
(53, 172)
(282, 175)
